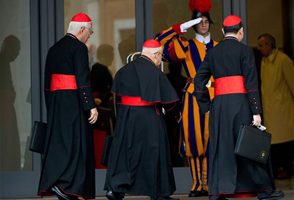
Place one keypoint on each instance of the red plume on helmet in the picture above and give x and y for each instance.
(200, 5)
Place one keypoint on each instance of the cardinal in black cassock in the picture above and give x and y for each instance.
(139, 162)
(236, 102)
(68, 167)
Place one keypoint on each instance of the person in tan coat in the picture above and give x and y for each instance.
(277, 89)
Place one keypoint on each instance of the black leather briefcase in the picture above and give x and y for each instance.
(38, 137)
(253, 144)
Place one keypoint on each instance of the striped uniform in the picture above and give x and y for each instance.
(194, 126)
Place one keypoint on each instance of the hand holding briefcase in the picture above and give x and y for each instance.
(253, 144)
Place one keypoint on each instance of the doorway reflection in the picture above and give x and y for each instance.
(9, 136)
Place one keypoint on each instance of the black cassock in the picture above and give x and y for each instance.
(68, 161)
(229, 174)
(139, 162)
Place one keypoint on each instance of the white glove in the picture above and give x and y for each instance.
(256, 120)
(185, 26)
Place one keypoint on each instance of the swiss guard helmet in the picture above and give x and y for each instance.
(200, 8)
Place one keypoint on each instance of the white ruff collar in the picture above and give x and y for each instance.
(202, 39)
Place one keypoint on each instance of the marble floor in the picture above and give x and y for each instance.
(289, 195)
(286, 185)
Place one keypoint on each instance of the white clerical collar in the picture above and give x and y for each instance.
(203, 39)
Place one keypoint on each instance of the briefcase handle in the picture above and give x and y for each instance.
(260, 127)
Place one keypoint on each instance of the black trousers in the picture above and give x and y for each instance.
(282, 159)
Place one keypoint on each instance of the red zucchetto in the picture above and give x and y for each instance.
(151, 44)
(78, 21)
(232, 20)
(81, 17)
(232, 24)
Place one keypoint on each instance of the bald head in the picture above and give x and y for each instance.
(266, 44)
(269, 38)
(153, 50)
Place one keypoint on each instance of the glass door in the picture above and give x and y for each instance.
(15, 87)
(24, 43)
(16, 95)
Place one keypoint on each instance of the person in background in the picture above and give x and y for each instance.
(277, 89)
(194, 125)
(139, 161)
(68, 167)
(101, 83)
(101, 78)
(236, 102)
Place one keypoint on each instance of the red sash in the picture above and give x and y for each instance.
(135, 101)
(63, 82)
(229, 85)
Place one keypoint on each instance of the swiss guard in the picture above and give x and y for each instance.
(190, 53)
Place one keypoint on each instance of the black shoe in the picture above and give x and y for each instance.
(275, 195)
(114, 195)
(196, 193)
(204, 193)
(61, 195)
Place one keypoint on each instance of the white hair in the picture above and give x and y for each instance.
(74, 27)
(150, 50)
